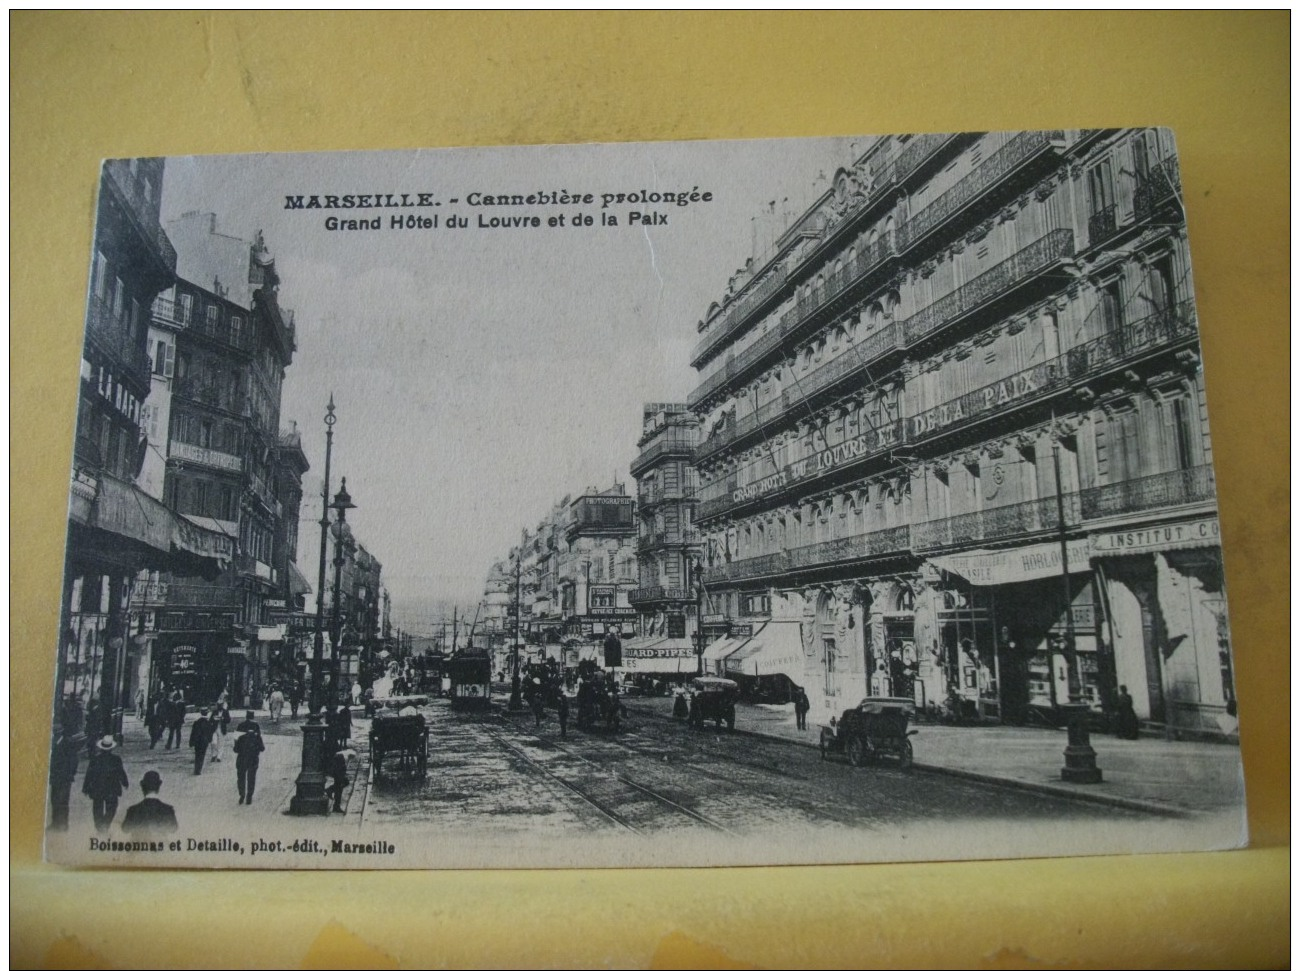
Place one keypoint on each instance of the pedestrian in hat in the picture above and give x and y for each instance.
(248, 755)
(175, 719)
(340, 774)
(64, 760)
(200, 739)
(276, 704)
(150, 814)
(562, 709)
(105, 782)
(220, 726)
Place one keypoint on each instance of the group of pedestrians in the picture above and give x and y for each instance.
(279, 697)
(105, 781)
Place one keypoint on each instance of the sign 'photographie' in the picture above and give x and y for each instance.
(682, 504)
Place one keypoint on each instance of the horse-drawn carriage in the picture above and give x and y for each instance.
(401, 739)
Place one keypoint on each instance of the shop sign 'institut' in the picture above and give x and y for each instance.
(972, 352)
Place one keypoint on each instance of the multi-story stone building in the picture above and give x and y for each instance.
(595, 565)
(117, 528)
(971, 352)
(565, 587)
(360, 600)
(219, 344)
(668, 548)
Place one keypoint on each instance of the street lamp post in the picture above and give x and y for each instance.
(1080, 758)
(341, 504)
(309, 798)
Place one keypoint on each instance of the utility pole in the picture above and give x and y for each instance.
(516, 702)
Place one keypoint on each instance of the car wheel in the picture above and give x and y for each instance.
(857, 752)
(905, 755)
(731, 721)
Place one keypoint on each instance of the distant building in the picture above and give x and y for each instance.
(668, 546)
(565, 586)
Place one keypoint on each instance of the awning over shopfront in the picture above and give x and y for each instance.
(720, 648)
(989, 568)
(668, 655)
(164, 540)
(735, 662)
(779, 651)
(298, 584)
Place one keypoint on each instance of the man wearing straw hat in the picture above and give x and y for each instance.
(105, 782)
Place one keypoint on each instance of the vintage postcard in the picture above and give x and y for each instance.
(681, 504)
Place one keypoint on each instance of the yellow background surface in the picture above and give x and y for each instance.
(89, 86)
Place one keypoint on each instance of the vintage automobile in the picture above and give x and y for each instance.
(875, 728)
(713, 699)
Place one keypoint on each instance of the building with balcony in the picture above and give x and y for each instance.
(218, 347)
(595, 565)
(668, 547)
(356, 624)
(116, 528)
(972, 352)
(565, 586)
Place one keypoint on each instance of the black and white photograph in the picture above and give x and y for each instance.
(680, 504)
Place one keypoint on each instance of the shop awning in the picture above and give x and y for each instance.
(780, 651)
(990, 568)
(165, 540)
(667, 655)
(735, 662)
(298, 584)
(722, 647)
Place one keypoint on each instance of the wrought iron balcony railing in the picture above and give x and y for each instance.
(1162, 184)
(991, 171)
(1168, 326)
(795, 317)
(983, 525)
(1101, 225)
(142, 219)
(681, 448)
(764, 478)
(175, 314)
(110, 332)
(881, 542)
(1025, 263)
(1178, 488)
(739, 311)
(920, 148)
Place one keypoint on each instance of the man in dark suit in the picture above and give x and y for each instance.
(248, 753)
(200, 738)
(150, 814)
(175, 719)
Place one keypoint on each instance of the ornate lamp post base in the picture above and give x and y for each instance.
(1080, 758)
(310, 799)
(516, 702)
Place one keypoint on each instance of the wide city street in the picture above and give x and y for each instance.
(495, 774)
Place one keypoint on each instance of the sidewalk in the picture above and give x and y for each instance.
(1149, 774)
(214, 793)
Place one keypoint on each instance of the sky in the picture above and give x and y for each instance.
(482, 373)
